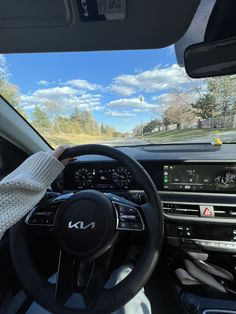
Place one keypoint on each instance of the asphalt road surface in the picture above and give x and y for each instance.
(131, 141)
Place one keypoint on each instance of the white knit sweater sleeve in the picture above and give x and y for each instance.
(22, 189)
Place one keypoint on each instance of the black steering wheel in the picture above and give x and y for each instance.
(86, 225)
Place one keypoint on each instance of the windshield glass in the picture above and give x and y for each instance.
(118, 98)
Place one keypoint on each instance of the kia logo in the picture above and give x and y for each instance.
(85, 7)
(81, 225)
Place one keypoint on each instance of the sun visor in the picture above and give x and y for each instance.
(90, 25)
(196, 32)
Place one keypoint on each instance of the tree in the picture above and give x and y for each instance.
(40, 118)
(179, 113)
(107, 130)
(137, 131)
(85, 121)
(205, 106)
(148, 127)
(62, 124)
(11, 93)
(179, 110)
(53, 107)
(224, 91)
(233, 110)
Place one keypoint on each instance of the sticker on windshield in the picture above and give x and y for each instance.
(102, 10)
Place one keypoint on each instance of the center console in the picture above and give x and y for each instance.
(199, 205)
(200, 231)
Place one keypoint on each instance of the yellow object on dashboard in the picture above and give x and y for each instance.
(217, 141)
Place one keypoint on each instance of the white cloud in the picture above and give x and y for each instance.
(168, 98)
(83, 84)
(163, 98)
(156, 79)
(114, 113)
(133, 104)
(43, 82)
(66, 99)
(3, 65)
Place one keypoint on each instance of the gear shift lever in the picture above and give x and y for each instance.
(215, 270)
(203, 276)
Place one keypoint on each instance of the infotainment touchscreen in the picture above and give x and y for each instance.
(209, 178)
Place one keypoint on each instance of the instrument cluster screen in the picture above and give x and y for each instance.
(102, 178)
(208, 178)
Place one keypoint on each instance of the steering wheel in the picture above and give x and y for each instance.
(86, 226)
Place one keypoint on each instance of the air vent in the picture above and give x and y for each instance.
(191, 209)
(181, 209)
(225, 211)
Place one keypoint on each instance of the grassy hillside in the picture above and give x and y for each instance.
(73, 139)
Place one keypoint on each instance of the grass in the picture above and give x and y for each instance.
(73, 138)
(182, 135)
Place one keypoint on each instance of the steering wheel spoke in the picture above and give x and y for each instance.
(129, 215)
(67, 273)
(97, 279)
(84, 277)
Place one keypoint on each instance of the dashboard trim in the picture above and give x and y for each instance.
(200, 219)
(200, 203)
(197, 193)
(221, 246)
(206, 161)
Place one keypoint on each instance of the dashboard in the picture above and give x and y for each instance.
(185, 177)
(196, 183)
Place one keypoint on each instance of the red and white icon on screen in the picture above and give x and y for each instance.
(207, 211)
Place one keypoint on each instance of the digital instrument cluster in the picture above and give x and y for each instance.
(107, 178)
(204, 178)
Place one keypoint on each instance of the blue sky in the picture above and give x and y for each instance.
(109, 84)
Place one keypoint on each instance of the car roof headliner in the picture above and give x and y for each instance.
(49, 25)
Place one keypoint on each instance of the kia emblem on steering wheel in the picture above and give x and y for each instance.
(81, 225)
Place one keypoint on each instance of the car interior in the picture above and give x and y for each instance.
(172, 204)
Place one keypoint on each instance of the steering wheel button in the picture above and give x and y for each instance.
(124, 225)
(131, 210)
(128, 217)
(121, 208)
(136, 226)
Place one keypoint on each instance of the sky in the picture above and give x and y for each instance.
(111, 85)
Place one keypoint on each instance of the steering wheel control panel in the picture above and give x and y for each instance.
(129, 218)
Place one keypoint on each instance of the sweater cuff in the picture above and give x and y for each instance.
(41, 168)
(48, 168)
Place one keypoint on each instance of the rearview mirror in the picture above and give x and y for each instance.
(211, 59)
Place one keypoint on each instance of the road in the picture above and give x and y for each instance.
(131, 141)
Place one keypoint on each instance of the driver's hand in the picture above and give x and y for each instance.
(59, 151)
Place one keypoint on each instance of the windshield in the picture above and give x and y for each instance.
(118, 98)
